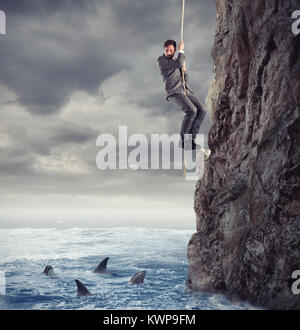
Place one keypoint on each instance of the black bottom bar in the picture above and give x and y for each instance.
(107, 319)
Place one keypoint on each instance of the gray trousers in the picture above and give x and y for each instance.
(194, 113)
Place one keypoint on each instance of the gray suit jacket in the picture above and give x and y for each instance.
(172, 75)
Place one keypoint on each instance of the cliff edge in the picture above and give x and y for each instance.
(247, 204)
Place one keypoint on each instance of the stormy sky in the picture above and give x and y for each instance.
(71, 70)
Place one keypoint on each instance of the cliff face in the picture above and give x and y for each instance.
(248, 202)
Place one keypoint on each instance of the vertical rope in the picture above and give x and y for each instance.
(182, 20)
(181, 38)
(183, 80)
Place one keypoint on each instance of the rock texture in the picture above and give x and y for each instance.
(247, 203)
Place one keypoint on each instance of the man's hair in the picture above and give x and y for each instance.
(170, 42)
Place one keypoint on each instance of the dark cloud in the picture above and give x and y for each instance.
(44, 59)
(40, 7)
(14, 162)
(73, 134)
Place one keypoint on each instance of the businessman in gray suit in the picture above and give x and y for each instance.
(171, 70)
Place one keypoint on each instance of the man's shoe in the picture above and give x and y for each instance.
(188, 144)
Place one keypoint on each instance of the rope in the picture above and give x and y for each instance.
(183, 80)
(184, 162)
(182, 21)
(181, 38)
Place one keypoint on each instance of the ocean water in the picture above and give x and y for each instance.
(75, 252)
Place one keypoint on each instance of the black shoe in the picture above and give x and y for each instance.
(188, 144)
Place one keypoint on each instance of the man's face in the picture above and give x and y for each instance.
(170, 51)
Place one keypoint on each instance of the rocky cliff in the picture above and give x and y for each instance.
(247, 203)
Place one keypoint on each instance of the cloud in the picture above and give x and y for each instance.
(46, 57)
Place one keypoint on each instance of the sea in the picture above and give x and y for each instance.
(75, 252)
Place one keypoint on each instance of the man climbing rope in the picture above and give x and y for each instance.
(175, 76)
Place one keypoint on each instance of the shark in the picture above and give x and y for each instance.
(138, 278)
(101, 268)
(48, 271)
(82, 291)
